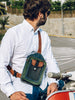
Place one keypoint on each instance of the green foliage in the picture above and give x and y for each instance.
(56, 6)
(4, 0)
(2, 9)
(2, 32)
(8, 3)
(69, 5)
(4, 21)
(17, 4)
(1, 36)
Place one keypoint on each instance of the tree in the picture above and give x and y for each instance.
(17, 4)
(4, 21)
(70, 0)
(56, 6)
(69, 5)
(2, 9)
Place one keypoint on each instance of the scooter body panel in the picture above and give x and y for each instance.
(62, 95)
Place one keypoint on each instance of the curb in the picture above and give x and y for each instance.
(65, 36)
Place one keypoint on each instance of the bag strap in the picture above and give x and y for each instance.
(16, 74)
(13, 72)
(39, 36)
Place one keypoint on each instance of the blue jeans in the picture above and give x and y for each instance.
(38, 94)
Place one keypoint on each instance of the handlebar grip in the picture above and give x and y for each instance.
(54, 75)
(59, 75)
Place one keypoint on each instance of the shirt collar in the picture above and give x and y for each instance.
(29, 26)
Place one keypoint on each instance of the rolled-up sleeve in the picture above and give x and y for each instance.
(51, 63)
(6, 51)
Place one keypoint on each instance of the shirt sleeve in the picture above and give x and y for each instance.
(51, 63)
(6, 51)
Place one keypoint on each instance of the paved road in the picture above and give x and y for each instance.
(64, 52)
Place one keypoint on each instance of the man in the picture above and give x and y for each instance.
(17, 44)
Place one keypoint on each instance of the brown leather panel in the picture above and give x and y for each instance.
(33, 62)
(40, 64)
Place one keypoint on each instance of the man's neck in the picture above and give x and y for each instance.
(33, 23)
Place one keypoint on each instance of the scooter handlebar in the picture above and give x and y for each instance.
(59, 75)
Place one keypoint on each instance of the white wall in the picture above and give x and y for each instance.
(53, 25)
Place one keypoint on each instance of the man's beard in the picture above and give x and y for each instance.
(42, 21)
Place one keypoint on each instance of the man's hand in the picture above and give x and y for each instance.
(18, 96)
(52, 88)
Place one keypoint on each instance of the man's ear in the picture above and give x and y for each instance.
(40, 15)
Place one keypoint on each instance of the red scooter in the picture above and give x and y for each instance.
(67, 82)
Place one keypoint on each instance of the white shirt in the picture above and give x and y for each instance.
(19, 42)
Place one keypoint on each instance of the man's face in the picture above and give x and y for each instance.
(42, 20)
